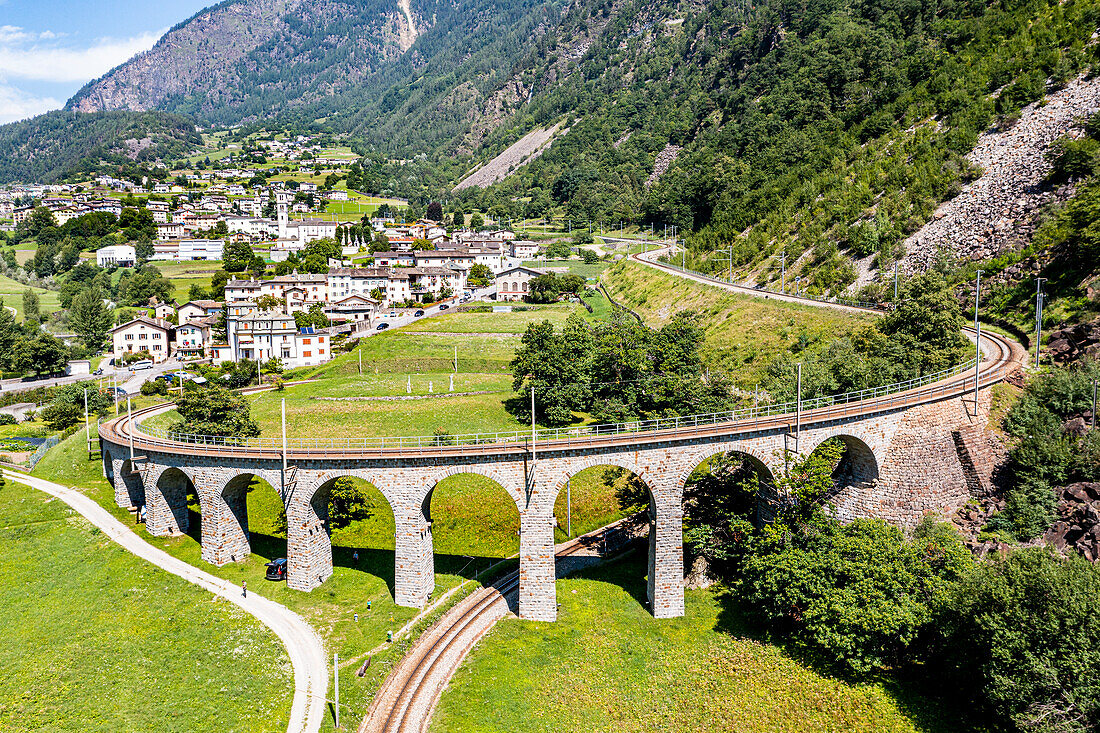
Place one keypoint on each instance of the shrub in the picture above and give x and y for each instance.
(857, 595)
(60, 415)
(6, 419)
(1021, 639)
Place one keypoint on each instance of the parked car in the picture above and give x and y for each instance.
(117, 391)
(143, 364)
(381, 327)
(418, 313)
(276, 569)
(444, 307)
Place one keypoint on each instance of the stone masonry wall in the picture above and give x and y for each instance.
(906, 463)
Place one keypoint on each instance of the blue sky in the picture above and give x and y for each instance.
(51, 48)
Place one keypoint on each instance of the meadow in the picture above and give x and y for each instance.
(607, 664)
(95, 639)
(743, 333)
(11, 291)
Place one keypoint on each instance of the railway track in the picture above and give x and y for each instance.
(407, 698)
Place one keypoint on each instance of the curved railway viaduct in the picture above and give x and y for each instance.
(910, 450)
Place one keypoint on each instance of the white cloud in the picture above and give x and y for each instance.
(56, 64)
(18, 105)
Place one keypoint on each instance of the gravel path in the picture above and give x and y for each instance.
(302, 643)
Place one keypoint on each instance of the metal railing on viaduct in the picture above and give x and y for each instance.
(892, 435)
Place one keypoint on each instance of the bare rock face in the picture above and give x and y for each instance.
(224, 56)
(1000, 210)
(1074, 343)
(665, 158)
(1078, 525)
(699, 576)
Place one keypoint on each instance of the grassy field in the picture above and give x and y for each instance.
(577, 267)
(94, 639)
(11, 291)
(185, 274)
(743, 333)
(515, 322)
(608, 665)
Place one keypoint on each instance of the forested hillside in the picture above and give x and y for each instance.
(826, 132)
(57, 143)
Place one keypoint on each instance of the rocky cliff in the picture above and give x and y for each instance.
(248, 58)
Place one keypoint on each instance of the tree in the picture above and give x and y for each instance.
(477, 222)
(315, 317)
(556, 366)
(267, 302)
(39, 354)
(589, 257)
(237, 256)
(90, 318)
(434, 211)
(9, 334)
(1019, 638)
(458, 219)
(61, 415)
(346, 503)
(480, 276)
(215, 410)
(31, 312)
(858, 594)
(558, 251)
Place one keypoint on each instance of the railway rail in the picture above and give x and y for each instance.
(408, 696)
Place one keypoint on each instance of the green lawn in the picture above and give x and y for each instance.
(11, 291)
(608, 665)
(743, 333)
(576, 266)
(185, 274)
(515, 322)
(94, 639)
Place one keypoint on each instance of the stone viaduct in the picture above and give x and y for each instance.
(908, 453)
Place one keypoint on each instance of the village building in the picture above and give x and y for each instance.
(514, 283)
(143, 334)
(116, 255)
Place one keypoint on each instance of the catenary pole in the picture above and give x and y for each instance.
(283, 410)
(1038, 316)
(336, 684)
(130, 429)
(978, 339)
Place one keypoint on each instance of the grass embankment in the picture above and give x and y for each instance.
(183, 275)
(94, 639)
(11, 291)
(743, 333)
(607, 664)
(475, 524)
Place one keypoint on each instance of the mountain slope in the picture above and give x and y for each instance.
(249, 58)
(49, 146)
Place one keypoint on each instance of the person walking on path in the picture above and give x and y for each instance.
(244, 588)
(355, 557)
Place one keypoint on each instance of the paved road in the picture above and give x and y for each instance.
(480, 294)
(302, 643)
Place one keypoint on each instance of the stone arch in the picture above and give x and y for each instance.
(227, 539)
(166, 496)
(858, 465)
(486, 471)
(755, 456)
(309, 534)
(108, 463)
(129, 486)
(557, 483)
(661, 518)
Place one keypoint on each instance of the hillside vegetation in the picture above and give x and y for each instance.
(58, 143)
